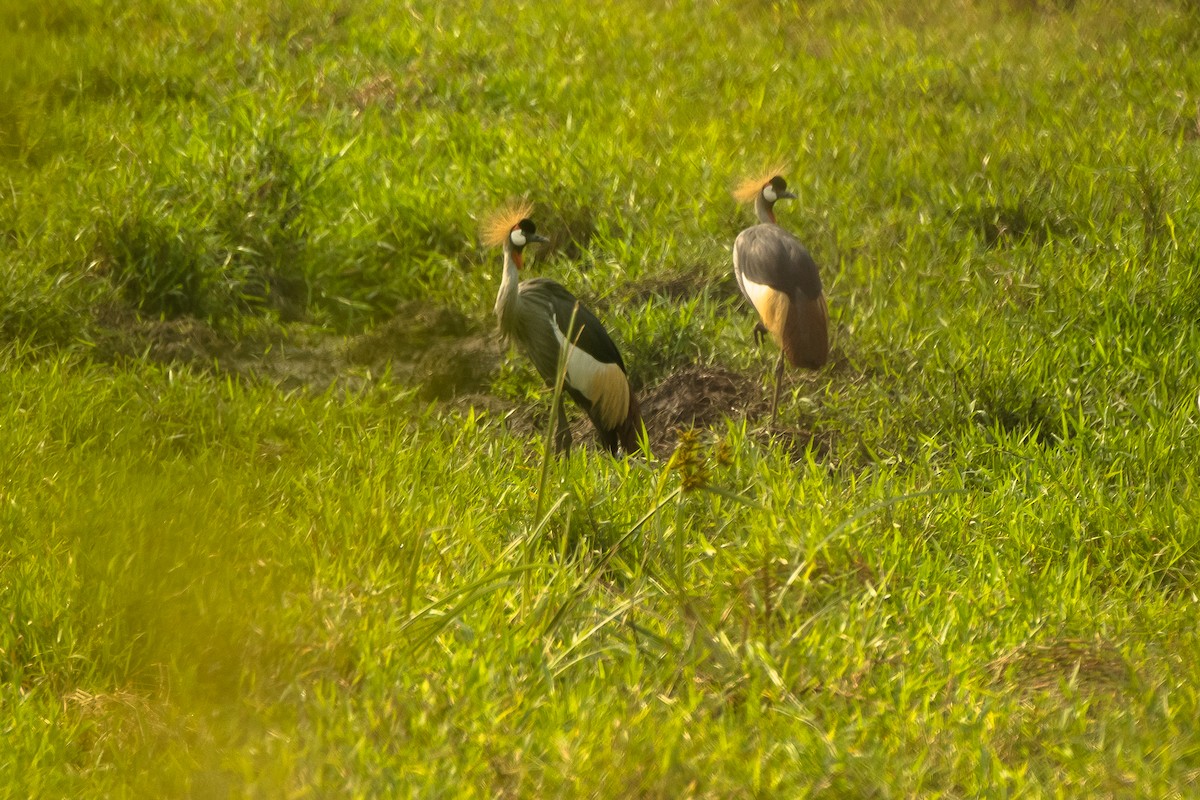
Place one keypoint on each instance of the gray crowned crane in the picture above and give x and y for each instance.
(535, 314)
(780, 279)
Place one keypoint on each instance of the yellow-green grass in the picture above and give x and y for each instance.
(980, 580)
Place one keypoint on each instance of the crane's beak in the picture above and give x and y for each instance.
(537, 237)
(788, 194)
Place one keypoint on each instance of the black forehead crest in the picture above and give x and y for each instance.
(778, 184)
(527, 227)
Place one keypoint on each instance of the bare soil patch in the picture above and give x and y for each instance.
(683, 285)
(440, 351)
(1092, 666)
(447, 357)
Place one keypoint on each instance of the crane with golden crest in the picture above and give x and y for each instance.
(781, 280)
(541, 317)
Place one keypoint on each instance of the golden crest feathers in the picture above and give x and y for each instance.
(496, 225)
(747, 190)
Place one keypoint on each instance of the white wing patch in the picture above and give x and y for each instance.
(604, 385)
(737, 267)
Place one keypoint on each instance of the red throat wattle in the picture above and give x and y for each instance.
(771, 214)
(518, 259)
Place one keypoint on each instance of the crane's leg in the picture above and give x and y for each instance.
(760, 333)
(562, 433)
(778, 380)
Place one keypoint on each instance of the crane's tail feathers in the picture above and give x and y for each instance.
(805, 334)
(626, 433)
(632, 430)
(609, 394)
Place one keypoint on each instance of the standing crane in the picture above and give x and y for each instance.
(780, 279)
(535, 315)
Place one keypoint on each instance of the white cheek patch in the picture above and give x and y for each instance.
(518, 237)
(769, 193)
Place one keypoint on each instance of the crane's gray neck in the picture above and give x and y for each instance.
(506, 299)
(764, 209)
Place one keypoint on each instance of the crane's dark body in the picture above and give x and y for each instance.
(535, 314)
(543, 306)
(781, 280)
(769, 256)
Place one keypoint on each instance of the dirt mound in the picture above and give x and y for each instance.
(699, 396)
(703, 396)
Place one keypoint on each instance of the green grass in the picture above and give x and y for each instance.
(980, 580)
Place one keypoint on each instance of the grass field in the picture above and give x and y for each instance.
(273, 521)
